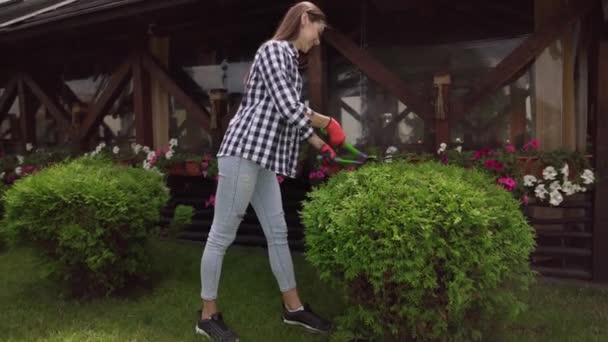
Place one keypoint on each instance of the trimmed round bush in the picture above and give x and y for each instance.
(90, 219)
(423, 251)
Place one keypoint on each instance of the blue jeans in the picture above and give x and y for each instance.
(242, 181)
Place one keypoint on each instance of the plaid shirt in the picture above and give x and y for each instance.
(271, 121)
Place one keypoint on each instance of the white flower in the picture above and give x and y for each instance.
(588, 176)
(146, 165)
(146, 149)
(151, 155)
(18, 171)
(458, 141)
(391, 150)
(529, 180)
(115, 150)
(29, 147)
(459, 149)
(540, 191)
(508, 141)
(549, 173)
(20, 159)
(568, 188)
(555, 198)
(555, 186)
(579, 188)
(137, 148)
(565, 170)
(169, 154)
(442, 148)
(173, 142)
(2, 175)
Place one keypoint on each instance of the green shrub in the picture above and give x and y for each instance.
(423, 251)
(182, 217)
(90, 218)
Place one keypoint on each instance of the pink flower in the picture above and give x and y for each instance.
(10, 179)
(525, 200)
(508, 183)
(206, 157)
(531, 145)
(494, 165)
(481, 153)
(350, 168)
(210, 201)
(280, 179)
(510, 148)
(312, 175)
(320, 174)
(153, 160)
(205, 164)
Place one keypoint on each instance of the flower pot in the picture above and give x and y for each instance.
(192, 168)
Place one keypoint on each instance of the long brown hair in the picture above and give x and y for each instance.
(290, 25)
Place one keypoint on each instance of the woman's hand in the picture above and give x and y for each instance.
(334, 130)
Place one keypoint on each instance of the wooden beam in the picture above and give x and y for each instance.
(350, 110)
(317, 79)
(98, 110)
(386, 78)
(158, 72)
(53, 106)
(8, 97)
(600, 221)
(27, 118)
(142, 104)
(520, 57)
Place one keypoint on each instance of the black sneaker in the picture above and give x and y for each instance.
(215, 329)
(307, 319)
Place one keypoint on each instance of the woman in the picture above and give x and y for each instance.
(261, 141)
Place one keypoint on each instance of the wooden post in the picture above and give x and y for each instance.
(219, 109)
(517, 127)
(317, 80)
(600, 222)
(27, 109)
(159, 47)
(141, 103)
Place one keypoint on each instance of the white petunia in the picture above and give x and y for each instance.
(442, 148)
(555, 198)
(151, 155)
(173, 142)
(588, 176)
(29, 147)
(579, 188)
(565, 170)
(540, 191)
(568, 188)
(146, 149)
(169, 154)
(549, 173)
(20, 159)
(18, 171)
(555, 186)
(459, 149)
(529, 180)
(115, 150)
(2, 174)
(146, 165)
(458, 141)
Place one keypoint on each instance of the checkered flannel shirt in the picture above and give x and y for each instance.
(271, 121)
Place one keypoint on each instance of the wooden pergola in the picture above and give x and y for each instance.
(133, 36)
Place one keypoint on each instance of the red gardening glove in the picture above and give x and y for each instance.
(328, 155)
(335, 133)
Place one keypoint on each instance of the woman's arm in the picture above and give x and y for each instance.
(318, 120)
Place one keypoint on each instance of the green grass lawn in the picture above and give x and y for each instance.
(30, 309)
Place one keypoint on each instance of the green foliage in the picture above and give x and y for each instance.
(182, 217)
(90, 219)
(424, 251)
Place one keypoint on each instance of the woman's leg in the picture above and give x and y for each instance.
(237, 181)
(268, 205)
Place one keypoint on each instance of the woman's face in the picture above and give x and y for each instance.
(310, 33)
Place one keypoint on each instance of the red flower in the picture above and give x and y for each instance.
(494, 165)
(510, 148)
(531, 145)
(481, 153)
(508, 183)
